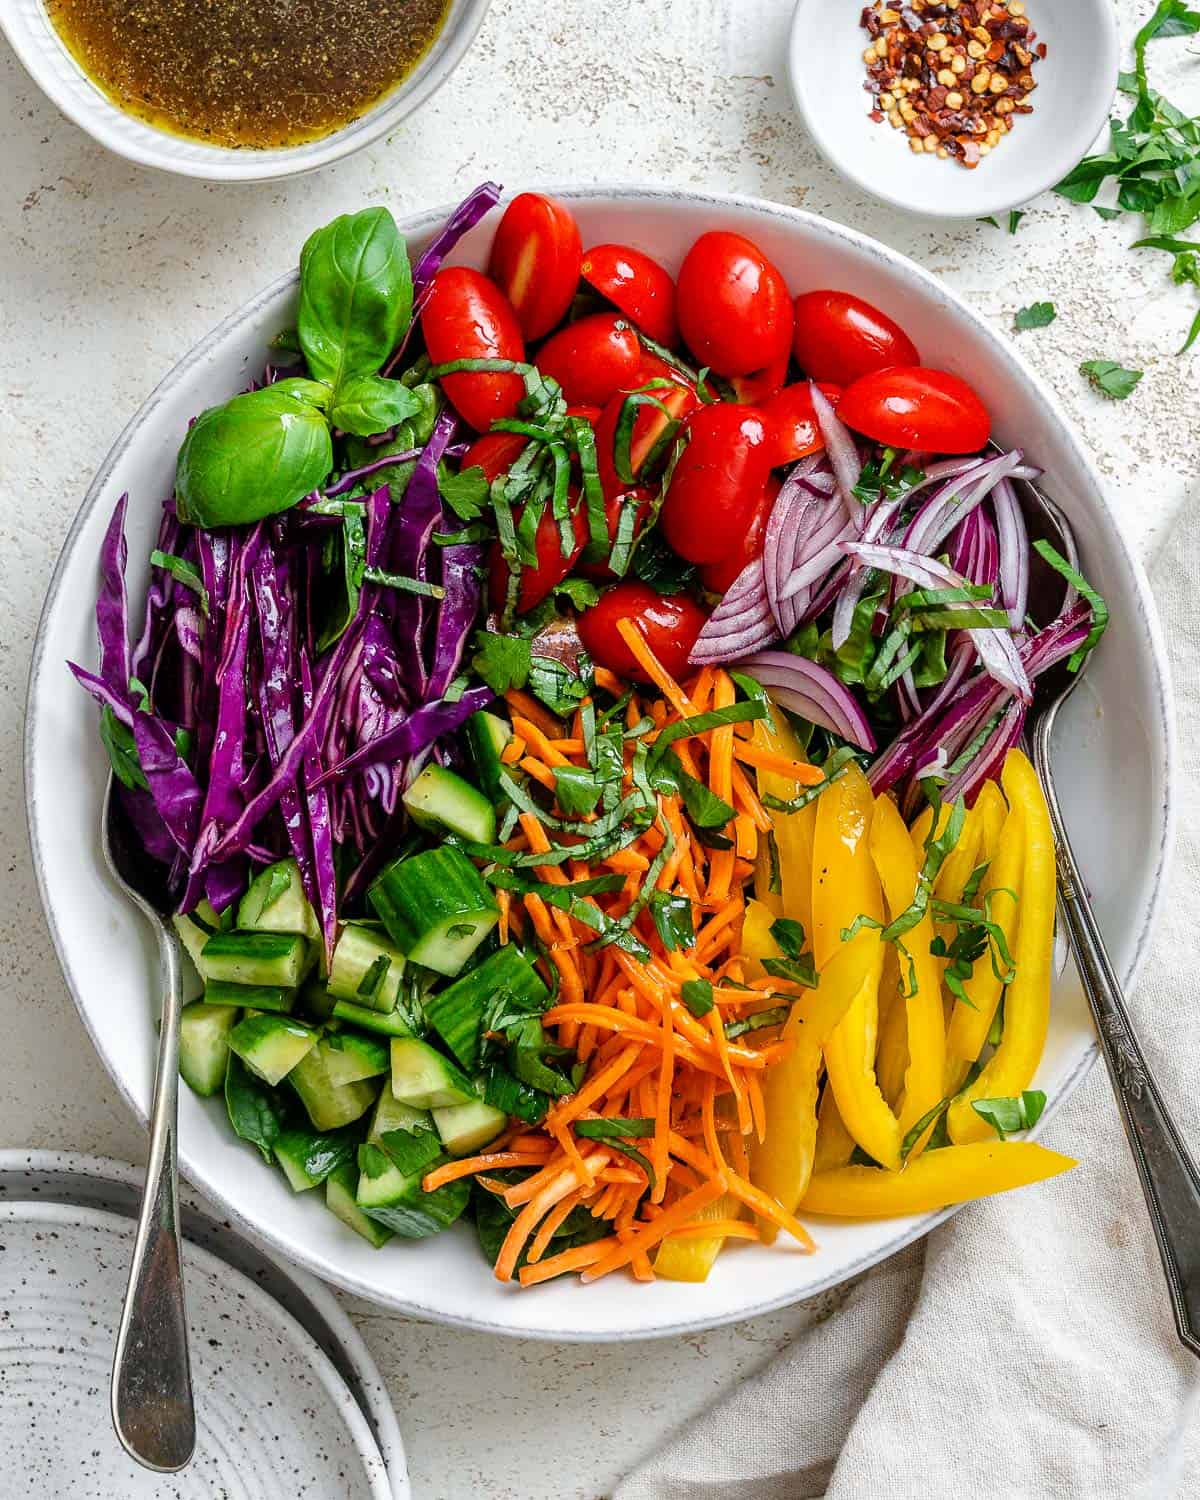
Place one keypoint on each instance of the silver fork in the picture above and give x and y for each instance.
(152, 1408)
(1168, 1174)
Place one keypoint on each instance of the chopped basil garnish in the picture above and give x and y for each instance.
(1010, 1115)
(697, 995)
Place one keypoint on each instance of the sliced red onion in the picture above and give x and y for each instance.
(997, 651)
(879, 519)
(1013, 539)
(841, 447)
(822, 546)
(741, 622)
(952, 501)
(812, 692)
(784, 538)
(896, 761)
(989, 762)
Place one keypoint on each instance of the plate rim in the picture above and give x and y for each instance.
(414, 225)
(86, 1217)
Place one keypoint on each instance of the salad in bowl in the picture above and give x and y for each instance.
(576, 711)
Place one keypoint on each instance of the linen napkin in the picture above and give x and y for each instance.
(1026, 1348)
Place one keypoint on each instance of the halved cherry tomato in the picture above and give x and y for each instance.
(719, 576)
(640, 497)
(916, 408)
(792, 429)
(552, 566)
(592, 359)
(648, 426)
(840, 337)
(759, 386)
(636, 286)
(468, 317)
(718, 482)
(535, 261)
(670, 626)
(735, 313)
(590, 414)
(494, 453)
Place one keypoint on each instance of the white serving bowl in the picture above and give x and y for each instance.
(1114, 748)
(1076, 82)
(62, 80)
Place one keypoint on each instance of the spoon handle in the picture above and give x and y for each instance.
(152, 1408)
(1169, 1178)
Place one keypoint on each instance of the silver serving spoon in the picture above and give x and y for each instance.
(1169, 1178)
(152, 1407)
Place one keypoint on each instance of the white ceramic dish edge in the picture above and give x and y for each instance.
(47, 61)
(115, 1186)
(1146, 622)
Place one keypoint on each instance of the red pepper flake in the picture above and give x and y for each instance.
(951, 75)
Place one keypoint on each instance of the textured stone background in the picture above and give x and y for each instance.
(109, 273)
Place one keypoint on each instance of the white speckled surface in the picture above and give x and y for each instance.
(107, 273)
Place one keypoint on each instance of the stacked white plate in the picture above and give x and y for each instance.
(289, 1404)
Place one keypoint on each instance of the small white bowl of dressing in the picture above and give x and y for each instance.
(1075, 82)
(133, 134)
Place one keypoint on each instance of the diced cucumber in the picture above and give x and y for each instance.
(367, 967)
(315, 1000)
(505, 979)
(275, 902)
(397, 1199)
(393, 1024)
(309, 1156)
(468, 1127)
(330, 1105)
(487, 735)
(407, 1135)
(441, 799)
(340, 1192)
(204, 1045)
(351, 1057)
(250, 996)
(435, 907)
(271, 1045)
(272, 958)
(422, 1077)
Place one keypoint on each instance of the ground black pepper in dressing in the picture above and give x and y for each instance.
(247, 72)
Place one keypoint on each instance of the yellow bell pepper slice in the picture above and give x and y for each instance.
(692, 1259)
(953, 1174)
(962, 859)
(891, 1053)
(1001, 889)
(835, 1144)
(757, 942)
(793, 831)
(850, 1064)
(844, 882)
(898, 874)
(1011, 1067)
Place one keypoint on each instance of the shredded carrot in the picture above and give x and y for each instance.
(649, 1235)
(781, 765)
(550, 1226)
(490, 1161)
(567, 1260)
(653, 668)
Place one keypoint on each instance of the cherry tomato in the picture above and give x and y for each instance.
(468, 317)
(636, 286)
(916, 408)
(640, 497)
(839, 337)
(494, 453)
(649, 425)
(535, 261)
(670, 626)
(592, 359)
(759, 386)
(718, 482)
(792, 428)
(590, 414)
(735, 313)
(552, 566)
(719, 576)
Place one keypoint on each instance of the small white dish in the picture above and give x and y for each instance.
(1114, 749)
(115, 1187)
(274, 1419)
(1076, 83)
(50, 65)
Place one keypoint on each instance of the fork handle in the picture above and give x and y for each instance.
(152, 1406)
(1170, 1181)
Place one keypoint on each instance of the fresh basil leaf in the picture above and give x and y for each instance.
(576, 789)
(466, 493)
(697, 995)
(775, 1016)
(183, 572)
(582, 592)
(1015, 215)
(279, 880)
(1036, 315)
(1079, 582)
(257, 455)
(801, 970)
(250, 1107)
(834, 767)
(673, 920)
(412, 1150)
(367, 404)
(908, 1144)
(655, 563)
(560, 689)
(1009, 1115)
(788, 936)
(613, 1129)
(373, 1161)
(682, 729)
(1110, 378)
(355, 295)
